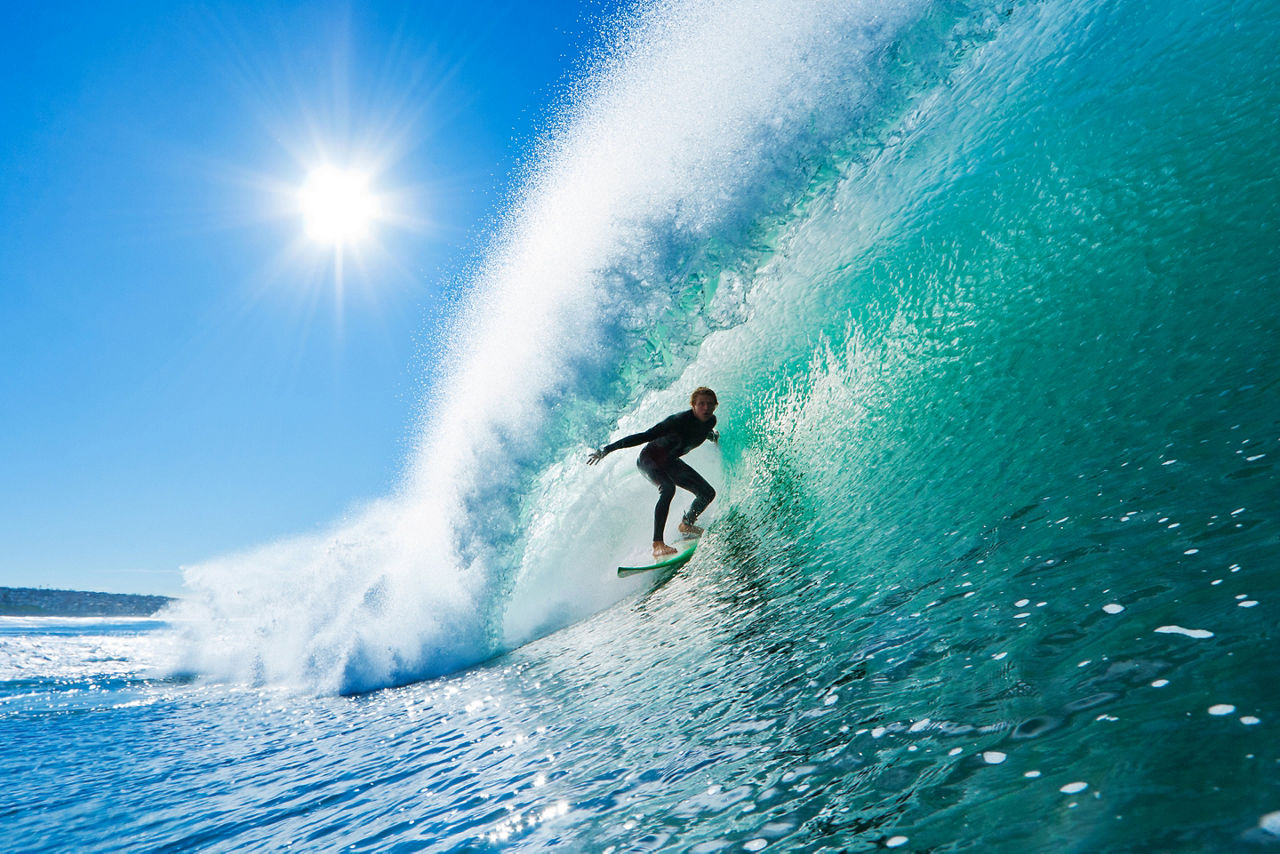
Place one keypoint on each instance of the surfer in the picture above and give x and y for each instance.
(659, 461)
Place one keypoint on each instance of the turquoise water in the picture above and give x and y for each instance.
(988, 293)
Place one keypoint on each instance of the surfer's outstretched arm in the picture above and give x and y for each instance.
(630, 441)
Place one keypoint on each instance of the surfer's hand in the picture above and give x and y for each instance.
(714, 436)
(597, 456)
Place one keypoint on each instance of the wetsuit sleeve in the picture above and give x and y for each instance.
(661, 428)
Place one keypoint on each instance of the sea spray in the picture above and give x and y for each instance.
(372, 603)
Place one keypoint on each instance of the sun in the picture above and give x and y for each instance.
(337, 206)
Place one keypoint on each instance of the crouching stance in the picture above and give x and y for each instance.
(664, 444)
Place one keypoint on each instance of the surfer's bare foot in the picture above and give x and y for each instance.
(690, 530)
(661, 549)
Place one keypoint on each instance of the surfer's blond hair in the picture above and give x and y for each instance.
(703, 391)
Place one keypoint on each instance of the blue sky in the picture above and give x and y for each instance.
(184, 374)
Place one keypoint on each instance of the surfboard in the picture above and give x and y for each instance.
(684, 551)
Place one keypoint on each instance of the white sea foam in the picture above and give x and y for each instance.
(83, 648)
(1179, 630)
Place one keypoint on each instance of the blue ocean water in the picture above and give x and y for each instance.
(988, 293)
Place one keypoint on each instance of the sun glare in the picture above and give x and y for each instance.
(337, 205)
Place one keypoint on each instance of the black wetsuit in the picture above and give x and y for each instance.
(668, 441)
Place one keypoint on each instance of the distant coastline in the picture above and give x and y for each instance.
(34, 602)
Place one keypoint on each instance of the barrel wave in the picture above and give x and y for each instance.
(988, 292)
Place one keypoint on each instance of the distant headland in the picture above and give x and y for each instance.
(33, 602)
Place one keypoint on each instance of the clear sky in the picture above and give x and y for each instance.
(185, 374)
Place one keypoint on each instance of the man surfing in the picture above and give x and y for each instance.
(659, 461)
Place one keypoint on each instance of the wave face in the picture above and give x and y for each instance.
(988, 293)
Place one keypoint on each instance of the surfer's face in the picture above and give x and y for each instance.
(703, 408)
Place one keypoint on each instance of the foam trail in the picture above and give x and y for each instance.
(682, 136)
